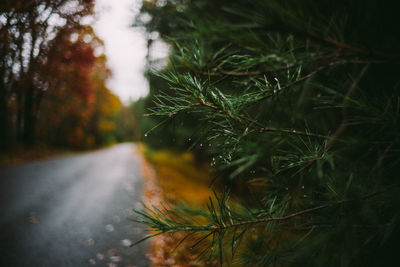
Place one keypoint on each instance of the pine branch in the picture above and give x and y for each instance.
(346, 98)
(381, 157)
(257, 126)
(160, 221)
(335, 43)
(303, 199)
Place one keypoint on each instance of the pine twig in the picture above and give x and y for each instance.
(260, 126)
(302, 212)
(350, 91)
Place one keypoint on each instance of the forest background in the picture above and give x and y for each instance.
(53, 77)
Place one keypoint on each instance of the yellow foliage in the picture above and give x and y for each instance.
(106, 126)
(90, 141)
(180, 177)
(174, 177)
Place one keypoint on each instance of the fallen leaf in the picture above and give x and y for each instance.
(33, 218)
(90, 242)
(100, 256)
(112, 252)
(109, 228)
(116, 258)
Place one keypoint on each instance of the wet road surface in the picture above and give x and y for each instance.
(72, 211)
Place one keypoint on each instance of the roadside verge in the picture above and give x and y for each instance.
(171, 177)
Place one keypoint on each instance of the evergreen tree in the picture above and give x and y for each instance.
(301, 105)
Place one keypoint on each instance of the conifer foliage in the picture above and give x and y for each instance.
(301, 105)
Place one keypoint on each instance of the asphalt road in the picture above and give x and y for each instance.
(72, 211)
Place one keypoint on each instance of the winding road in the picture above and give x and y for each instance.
(72, 211)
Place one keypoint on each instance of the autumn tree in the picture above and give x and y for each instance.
(106, 107)
(27, 29)
(79, 111)
(300, 101)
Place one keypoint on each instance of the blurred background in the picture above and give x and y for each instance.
(71, 72)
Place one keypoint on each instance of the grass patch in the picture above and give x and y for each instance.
(180, 177)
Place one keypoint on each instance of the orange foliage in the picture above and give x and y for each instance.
(79, 110)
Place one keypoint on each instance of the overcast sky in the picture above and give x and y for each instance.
(125, 47)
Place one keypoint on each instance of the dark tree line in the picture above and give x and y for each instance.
(29, 31)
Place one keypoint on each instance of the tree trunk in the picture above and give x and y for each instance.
(29, 118)
(3, 119)
(19, 123)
